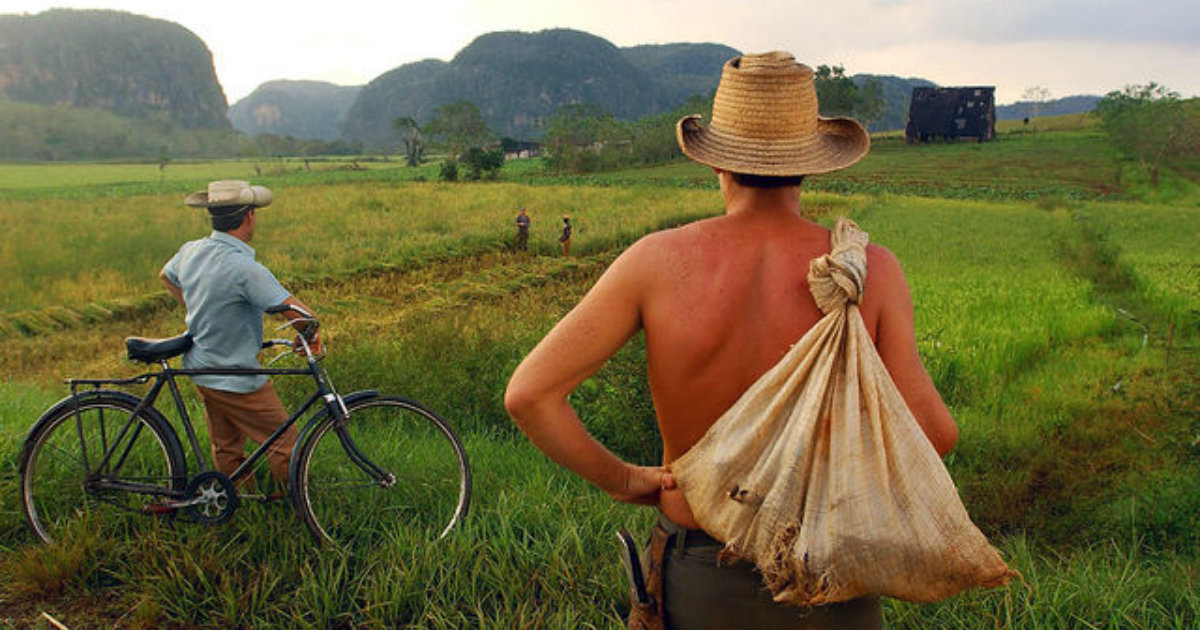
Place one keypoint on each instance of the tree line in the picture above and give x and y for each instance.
(1151, 126)
(584, 138)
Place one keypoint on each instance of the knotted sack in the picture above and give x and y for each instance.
(820, 475)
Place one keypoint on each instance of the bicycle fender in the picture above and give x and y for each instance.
(66, 404)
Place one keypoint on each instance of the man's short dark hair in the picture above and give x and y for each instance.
(766, 181)
(226, 218)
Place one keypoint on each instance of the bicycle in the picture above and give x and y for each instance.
(364, 465)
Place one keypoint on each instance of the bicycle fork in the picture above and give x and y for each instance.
(340, 423)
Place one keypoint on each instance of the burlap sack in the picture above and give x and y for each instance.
(821, 476)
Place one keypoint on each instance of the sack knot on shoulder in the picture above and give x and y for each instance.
(839, 277)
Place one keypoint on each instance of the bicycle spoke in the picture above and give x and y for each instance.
(59, 487)
(340, 495)
(69, 454)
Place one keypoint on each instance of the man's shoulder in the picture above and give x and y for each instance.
(193, 244)
(687, 234)
(226, 256)
(216, 241)
(886, 284)
(881, 261)
(664, 241)
(661, 253)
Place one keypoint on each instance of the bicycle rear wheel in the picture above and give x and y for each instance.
(64, 485)
(394, 470)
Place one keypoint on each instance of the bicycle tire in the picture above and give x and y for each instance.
(341, 503)
(59, 456)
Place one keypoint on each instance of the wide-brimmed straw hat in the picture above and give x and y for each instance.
(230, 193)
(765, 122)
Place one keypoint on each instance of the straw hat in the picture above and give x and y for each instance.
(765, 122)
(230, 193)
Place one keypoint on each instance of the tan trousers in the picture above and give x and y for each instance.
(233, 418)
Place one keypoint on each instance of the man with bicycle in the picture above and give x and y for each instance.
(226, 291)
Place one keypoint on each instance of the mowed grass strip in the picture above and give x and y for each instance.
(990, 292)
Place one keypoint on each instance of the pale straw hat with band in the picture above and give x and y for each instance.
(765, 122)
(231, 194)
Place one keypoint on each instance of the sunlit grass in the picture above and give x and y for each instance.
(1157, 244)
(990, 293)
(114, 248)
(1083, 485)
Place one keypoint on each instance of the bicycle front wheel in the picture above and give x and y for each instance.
(394, 470)
(90, 463)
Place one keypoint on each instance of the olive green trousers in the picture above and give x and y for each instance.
(699, 594)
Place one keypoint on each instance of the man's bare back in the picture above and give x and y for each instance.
(721, 301)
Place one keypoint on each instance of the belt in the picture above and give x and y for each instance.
(683, 538)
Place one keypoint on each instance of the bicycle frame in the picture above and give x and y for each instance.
(166, 376)
(110, 445)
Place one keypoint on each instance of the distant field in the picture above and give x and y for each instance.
(1075, 164)
(56, 176)
(1034, 280)
(88, 179)
(1064, 156)
(310, 232)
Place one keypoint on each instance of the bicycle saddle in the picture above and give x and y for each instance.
(155, 350)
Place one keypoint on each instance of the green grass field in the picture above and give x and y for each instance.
(1035, 277)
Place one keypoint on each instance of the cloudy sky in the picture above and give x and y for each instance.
(1067, 47)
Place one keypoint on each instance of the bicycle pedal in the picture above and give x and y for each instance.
(157, 508)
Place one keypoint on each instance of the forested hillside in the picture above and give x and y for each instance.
(302, 109)
(681, 70)
(33, 133)
(119, 62)
(1055, 107)
(105, 84)
(519, 79)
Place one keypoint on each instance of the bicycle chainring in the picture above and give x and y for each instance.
(217, 498)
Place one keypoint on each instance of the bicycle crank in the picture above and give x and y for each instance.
(212, 499)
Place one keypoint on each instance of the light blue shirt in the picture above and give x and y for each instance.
(225, 291)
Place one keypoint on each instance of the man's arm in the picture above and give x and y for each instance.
(578, 345)
(897, 346)
(172, 288)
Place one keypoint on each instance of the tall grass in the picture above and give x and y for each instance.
(1156, 245)
(1087, 488)
(1107, 585)
(67, 253)
(991, 296)
(537, 553)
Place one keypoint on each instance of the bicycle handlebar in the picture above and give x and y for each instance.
(284, 307)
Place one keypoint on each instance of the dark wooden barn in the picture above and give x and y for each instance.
(950, 113)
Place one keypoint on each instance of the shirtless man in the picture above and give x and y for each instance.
(721, 301)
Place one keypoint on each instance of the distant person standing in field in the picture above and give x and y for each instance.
(523, 222)
(721, 301)
(226, 292)
(565, 239)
